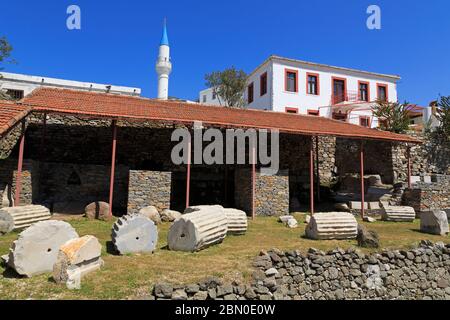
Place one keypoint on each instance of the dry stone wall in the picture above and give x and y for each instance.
(149, 188)
(271, 192)
(8, 174)
(426, 196)
(422, 273)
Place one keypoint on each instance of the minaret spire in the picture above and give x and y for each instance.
(163, 65)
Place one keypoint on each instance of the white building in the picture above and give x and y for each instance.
(208, 96)
(20, 85)
(295, 86)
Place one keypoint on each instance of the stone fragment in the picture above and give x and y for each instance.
(373, 275)
(332, 225)
(369, 219)
(202, 227)
(7, 198)
(135, 233)
(367, 238)
(284, 219)
(168, 215)
(97, 210)
(224, 290)
(356, 205)
(76, 258)
(6, 223)
(201, 295)
(25, 216)
(152, 213)
(237, 221)
(292, 223)
(434, 222)
(163, 290)
(398, 213)
(192, 288)
(179, 294)
(374, 205)
(36, 249)
(271, 272)
(307, 218)
(427, 179)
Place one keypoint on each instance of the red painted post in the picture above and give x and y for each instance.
(362, 178)
(19, 167)
(311, 177)
(253, 181)
(188, 174)
(408, 154)
(317, 168)
(113, 166)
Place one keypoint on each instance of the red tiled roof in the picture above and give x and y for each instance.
(10, 114)
(127, 107)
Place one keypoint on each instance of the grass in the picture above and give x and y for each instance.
(131, 276)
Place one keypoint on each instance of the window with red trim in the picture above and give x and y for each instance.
(364, 122)
(382, 91)
(312, 83)
(313, 112)
(291, 110)
(263, 84)
(250, 93)
(364, 91)
(291, 80)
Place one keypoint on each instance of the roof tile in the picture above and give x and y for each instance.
(128, 107)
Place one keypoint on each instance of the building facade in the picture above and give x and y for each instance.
(295, 86)
(20, 85)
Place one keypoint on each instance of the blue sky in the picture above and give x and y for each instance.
(118, 40)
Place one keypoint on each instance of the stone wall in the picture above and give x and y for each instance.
(9, 141)
(327, 160)
(426, 196)
(422, 273)
(271, 192)
(149, 188)
(8, 174)
(70, 187)
(338, 156)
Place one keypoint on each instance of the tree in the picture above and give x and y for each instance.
(5, 50)
(393, 116)
(443, 115)
(228, 86)
(5, 53)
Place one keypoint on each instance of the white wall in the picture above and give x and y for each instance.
(260, 102)
(27, 83)
(304, 101)
(208, 93)
(278, 99)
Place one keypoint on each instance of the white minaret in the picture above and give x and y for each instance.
(163, 66)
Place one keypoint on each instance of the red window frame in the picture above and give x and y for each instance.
(313, 112)
(263, 84)
(250, 93)
(286, 71)
(345, 87)
(368, 90)
(291, 110)
(386, 88)
(308, 74)
(365, 118)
